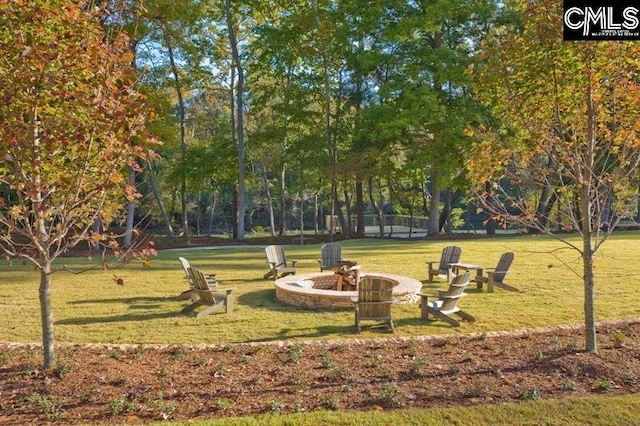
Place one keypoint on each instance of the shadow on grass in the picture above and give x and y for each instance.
(135, 303)
(119, 318)
(309, 332)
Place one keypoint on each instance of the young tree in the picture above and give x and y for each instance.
(574, 115)
(71, 124)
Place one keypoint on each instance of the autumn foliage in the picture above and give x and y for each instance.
(71, 121)
(71, 124)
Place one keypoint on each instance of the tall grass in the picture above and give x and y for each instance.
(90, 307)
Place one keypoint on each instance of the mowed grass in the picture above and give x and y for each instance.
(602, 410)
(90, 307)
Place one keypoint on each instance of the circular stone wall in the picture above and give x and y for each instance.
(314, 290)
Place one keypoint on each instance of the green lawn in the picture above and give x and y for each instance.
(90, 307)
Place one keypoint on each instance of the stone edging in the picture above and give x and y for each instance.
(287, 343)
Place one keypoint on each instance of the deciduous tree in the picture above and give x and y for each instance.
(573, 114)
(71, 122)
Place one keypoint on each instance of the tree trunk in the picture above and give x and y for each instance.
(434, 205)
(376, 208)
(46, 312)
(240, 123)
(213, 209)
(490, 223)
(128, 235)
(301, 218)
(445, 216)
(338, 211)
(267, 191)
(183, 141)
(283, 203)
(347, 207)
(198, 199)
(589, 294)
(359, 208)
(586, 214)
(156, 195)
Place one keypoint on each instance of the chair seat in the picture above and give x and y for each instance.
(437, 305)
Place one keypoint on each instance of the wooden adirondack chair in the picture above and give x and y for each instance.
(190, 294)
(213, 299)
(277, 261)
(447, 302)
(495, 276)
(374, 301)
(449, 255)
(331, 255)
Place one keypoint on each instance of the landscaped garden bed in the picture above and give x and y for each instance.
(129, 383)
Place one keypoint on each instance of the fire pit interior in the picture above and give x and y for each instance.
(320, 290)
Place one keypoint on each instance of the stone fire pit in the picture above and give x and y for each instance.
(317, 290)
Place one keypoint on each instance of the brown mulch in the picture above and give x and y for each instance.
(138, 383)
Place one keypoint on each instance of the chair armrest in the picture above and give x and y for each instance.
(430, 263)
(293, 263)
(458, 296)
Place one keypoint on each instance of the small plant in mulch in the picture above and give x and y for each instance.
(274, 406)
(327, 359)
(390, 396)
(62, 369)
(329, 403)
(374, 361)
(293, 354)
(49, 406)
(567, 385)
(163, 406)
(418, 364)
(116, 406)
(5, 357)
(602, 385)
(163, 375)
(223, 404)
(180, 353)
(118, 381)
(115, 354)
(618, 339)
(476, 390)
(339, 374)
(529, 394)
(572, 346)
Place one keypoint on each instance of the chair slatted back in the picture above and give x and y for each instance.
(185, 265)
(455, 291)
(374, 298)
(331, 254)
(503, 266)
(201, 286)
(275, 254)
(450, 255)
